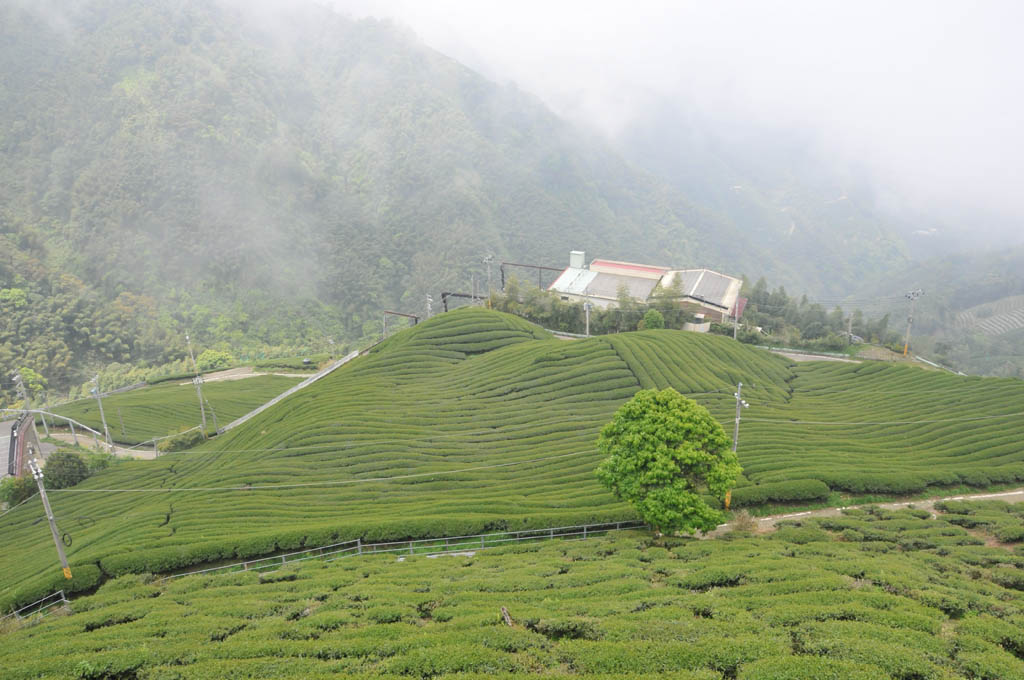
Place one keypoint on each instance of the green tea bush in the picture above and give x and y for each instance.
(805, 667)
(780, 492)
(457, 658)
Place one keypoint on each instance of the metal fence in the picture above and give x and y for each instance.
(423, 546)
(39, 608)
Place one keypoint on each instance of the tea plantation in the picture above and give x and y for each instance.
(866, 595)
(477, 421)
(159, 410)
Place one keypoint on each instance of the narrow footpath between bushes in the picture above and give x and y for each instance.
(766, 524)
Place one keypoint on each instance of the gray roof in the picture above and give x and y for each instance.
(607, 286)
(705, 285)
(583, 282)
(573, 281)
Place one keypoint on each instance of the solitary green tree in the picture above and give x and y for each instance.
(653, 319)
(665, 451)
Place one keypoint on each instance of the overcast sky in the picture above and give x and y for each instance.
(927, 96)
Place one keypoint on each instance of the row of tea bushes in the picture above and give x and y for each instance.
(437, 428)
(917, 598)
(163, 409)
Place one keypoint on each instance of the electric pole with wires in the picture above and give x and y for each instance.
(19, 386)
(37, 474)
(198, 382)
(488, 260)
(912, 296)
(740, 404)
(103, 418)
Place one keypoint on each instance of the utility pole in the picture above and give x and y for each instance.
(198, 382)
(849, 330)
(214, 414)
(37, 473)
(430, 302)
(19, 385)
(385, 327)
(103, 418)
(740, 404)
(488, 260)
(912, 296)
(586, 309)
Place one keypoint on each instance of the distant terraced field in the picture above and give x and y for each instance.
(476, 420)
(995, 318)
(167, 408)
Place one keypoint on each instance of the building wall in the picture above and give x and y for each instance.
(710, 313)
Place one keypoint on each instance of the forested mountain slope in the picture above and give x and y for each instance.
(971, 315)
(263, 176)
(823, 227)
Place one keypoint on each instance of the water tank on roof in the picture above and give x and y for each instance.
(576, 258)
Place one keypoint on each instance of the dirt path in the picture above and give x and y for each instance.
(243, 372)
(799, 356)
(120, 451)
(766, 524)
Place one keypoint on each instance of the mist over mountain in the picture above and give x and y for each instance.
(782, 195)
(281, 173)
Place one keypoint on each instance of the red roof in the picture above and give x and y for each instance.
(629, 266)
(737, 310)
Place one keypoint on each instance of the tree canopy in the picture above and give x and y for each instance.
(664, 452)
(64, 469)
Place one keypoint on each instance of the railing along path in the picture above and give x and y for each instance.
(422, 546)
(40, 607)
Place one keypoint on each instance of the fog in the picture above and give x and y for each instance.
(923, 98)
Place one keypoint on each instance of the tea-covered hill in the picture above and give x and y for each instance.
(160, 410)
(476, 420)
(869, 595)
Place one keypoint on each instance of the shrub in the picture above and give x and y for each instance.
(1009, 577)
(796, 490)
(804, 667)
(14, 490)
(564, 629)
(182, 442)
(653, 319)
(212, 359)
(64, 469)
(457, 658)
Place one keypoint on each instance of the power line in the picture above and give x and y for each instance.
(367, 480)
(11, 509)
(891, 422)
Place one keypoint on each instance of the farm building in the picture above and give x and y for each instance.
(704, 292)
(602, 282)
(707, 292)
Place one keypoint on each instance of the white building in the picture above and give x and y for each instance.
(702, 291)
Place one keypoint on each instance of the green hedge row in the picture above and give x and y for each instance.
(780, 492)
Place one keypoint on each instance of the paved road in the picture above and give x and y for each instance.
(5, 445)
(768, 523)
